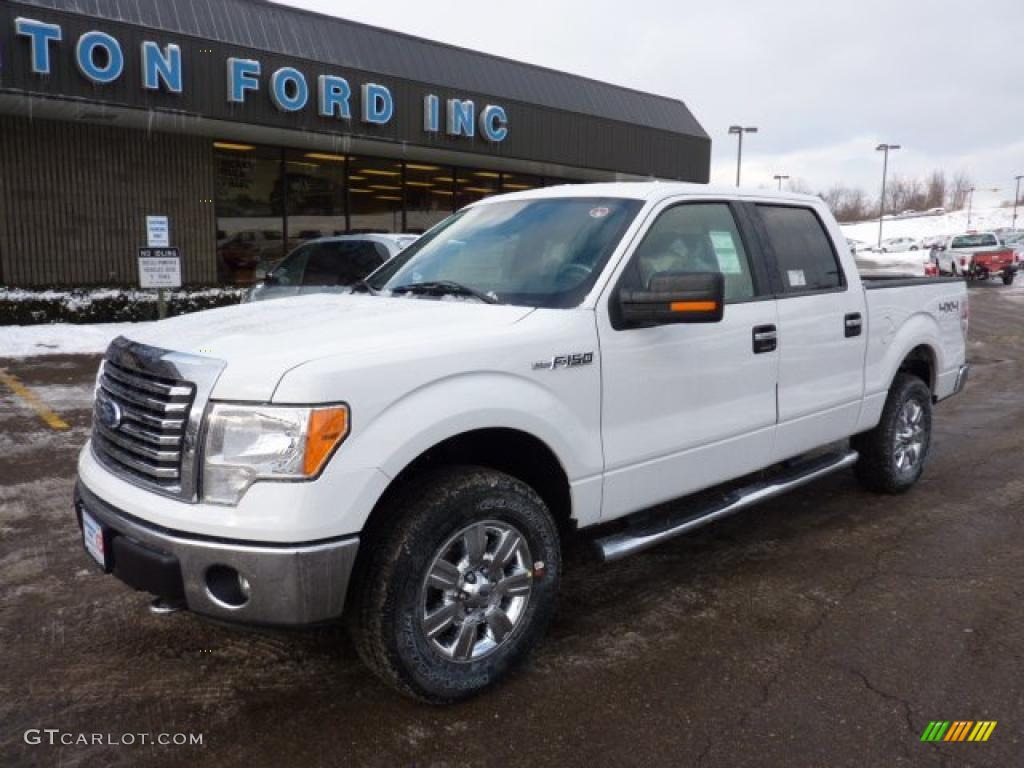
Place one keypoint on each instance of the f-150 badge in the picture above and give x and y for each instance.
(565, 361)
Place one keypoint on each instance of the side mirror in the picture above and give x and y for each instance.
(675, 297)
(270, 279)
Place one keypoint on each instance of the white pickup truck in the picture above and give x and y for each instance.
(540, 362)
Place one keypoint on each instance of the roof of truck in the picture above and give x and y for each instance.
(652, 190)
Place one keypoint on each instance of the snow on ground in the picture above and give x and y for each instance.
(895, 264)
(60, 338)
(919, 227)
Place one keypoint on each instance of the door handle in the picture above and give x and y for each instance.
(853, 323)
(766, 339)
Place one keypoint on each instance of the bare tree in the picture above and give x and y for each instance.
(799, 186)
(935, 195)
(847, 204)
(958, 190)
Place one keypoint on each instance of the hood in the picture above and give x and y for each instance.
(261, 341)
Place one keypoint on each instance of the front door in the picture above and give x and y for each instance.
(687, 406)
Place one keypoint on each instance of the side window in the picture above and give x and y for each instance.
(341, 263)
(802, 249)
(694, 237)
(289, 271)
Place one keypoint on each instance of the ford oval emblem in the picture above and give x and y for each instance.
(108, 413)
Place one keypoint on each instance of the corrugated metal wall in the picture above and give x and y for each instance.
(74, 200)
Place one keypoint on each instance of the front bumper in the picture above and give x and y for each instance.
(289, 585)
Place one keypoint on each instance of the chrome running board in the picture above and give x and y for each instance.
(633, 540)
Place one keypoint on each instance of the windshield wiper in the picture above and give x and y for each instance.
(445, 288)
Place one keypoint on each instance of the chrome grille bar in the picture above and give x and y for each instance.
(148, 415)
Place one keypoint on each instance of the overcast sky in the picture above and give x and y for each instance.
(823, 81)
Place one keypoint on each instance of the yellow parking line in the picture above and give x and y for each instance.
(30, 397)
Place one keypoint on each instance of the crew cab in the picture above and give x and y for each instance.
(552, 363)
(977, 256)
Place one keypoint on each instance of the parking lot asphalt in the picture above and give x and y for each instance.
(825, 628)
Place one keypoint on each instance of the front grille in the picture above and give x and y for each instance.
(140, 424)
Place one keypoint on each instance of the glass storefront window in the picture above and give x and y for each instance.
(550, 181)
(316, 195)
(375, 195)
(250, 212)
(473, 184)
(428, 195)
(520, 182)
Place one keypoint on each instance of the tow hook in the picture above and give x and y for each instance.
(163, 607)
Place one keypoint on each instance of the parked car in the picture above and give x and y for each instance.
(900, 244)
(936, 211)
(328, 265)
(977, 256)
(930, 243)
(538, 363)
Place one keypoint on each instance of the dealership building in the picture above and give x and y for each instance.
(252, 127)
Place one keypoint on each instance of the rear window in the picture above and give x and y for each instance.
(974, 241)
(803, 250)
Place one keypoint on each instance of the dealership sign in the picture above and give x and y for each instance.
(100, 59)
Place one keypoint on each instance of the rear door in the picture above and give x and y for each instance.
(821, 330)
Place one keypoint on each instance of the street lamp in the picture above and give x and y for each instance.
(1016, 199)
(886, 148)
(739, 130)
(780, 179)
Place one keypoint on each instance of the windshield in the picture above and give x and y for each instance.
(973, 241)
(539, 253)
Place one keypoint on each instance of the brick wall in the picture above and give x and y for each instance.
(74, 199)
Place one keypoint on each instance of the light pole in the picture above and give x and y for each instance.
(780, 179)
(886, 148)
(1016, 199)
(739, 130)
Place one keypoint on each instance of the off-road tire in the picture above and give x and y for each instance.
(419, 518)
(877, 468)
(1008, 278)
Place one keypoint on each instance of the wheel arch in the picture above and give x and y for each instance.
(513, 451)
(921, 361)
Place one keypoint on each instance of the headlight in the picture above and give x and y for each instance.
(246, 443)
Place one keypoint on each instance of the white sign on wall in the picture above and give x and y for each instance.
(158, 232)
(159, 268)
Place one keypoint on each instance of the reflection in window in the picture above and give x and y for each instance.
(428, 195)
(316, 195)
(250, 212)
(520, 182)
(375, 195)
(551, 181)
(472, 185)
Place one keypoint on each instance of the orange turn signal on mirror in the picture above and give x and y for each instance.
(327, 428)
(693, 306)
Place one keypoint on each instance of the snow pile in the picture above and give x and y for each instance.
(60, 338)
(919, 227)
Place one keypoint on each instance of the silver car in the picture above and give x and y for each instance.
(328, 265)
